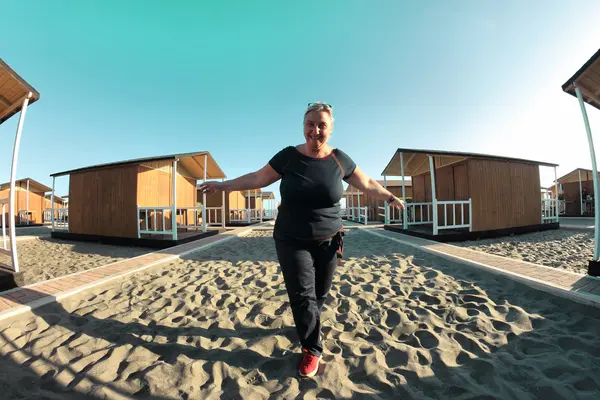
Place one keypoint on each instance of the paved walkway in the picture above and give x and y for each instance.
(578, 287)
(18, 300)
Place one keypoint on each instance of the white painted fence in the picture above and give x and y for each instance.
(549, 211)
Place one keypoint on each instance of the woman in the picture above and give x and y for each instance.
(308, 229)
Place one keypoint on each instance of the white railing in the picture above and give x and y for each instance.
(588, 206)
(357, 214)
(391, 215)
(47, 213)
(549, 211)
(425, 214)
(183, 214)
(269, 214)
(453, 204)
(213, 216)
(448, 214)
(238, 215)
(23, 217)
(255, 214)
(148, 220)
(562, 207)
(61, 218)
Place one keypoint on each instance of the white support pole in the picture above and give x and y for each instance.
(358, 200)
(404, 211)
(594, 172)
(261, 208)
(386, 206)
(204, 216)
(27, 203)
(352, 198)
(13, 175)
(580, 194)
(433, 196)
(223, 206)
(556, 187)
(52, 203)
(249, 208)
(174, 206)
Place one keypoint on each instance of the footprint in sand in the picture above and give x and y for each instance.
(427, 339)
(392, 319)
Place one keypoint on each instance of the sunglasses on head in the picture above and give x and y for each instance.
(317, 104)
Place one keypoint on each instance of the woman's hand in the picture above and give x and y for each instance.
(397, 203)
(211, 187)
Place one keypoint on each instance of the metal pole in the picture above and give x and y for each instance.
(204, 216)
(27, 203)
(249, 207)
(174, 206)
(13, 174)
(404, 212)
(386, 206)
(556, 187)
(594, 172)
(52, 202)
(433, 196)
(223, 206)
(580, 194)
(261, 208)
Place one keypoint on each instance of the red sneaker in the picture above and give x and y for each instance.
(309, 366)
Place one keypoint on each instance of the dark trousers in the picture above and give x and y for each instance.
(308, 268)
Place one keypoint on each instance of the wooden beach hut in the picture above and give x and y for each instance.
(149, 201)
(577, 190)
(585, 86)
(29, 202)
(471, 195)
(16, 95)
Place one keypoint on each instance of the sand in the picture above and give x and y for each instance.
(568, 249)
(43, 258)
(400, 324)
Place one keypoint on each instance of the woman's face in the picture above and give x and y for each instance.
(317, 129)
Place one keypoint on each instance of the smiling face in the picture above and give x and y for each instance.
(317, 129)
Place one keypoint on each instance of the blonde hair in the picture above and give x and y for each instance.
(318, 107)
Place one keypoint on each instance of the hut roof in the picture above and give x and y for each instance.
(13, 90)
(573, 176)
(416, 160)
(34, 186)
(192, 162)
(587, 78)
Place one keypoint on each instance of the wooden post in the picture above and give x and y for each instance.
(556, 186)
(52, 204)
(404, 212)
(223, 206)
(433, 195)
(174, 206)
(204, 216)
(249, 207)
(580, 194)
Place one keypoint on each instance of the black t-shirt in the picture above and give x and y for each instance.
(311, 190)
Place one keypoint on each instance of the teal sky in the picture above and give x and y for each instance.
(128, 79)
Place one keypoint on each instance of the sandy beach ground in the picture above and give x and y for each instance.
(42, 258)
(399, 324)
(568, 249)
